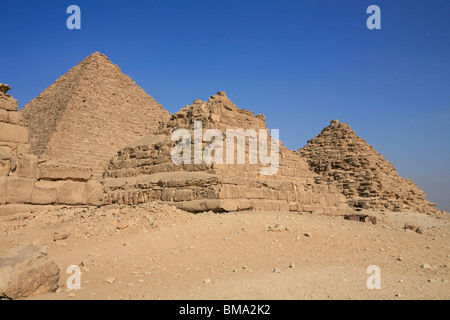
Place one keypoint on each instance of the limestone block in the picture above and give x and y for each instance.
(197, 205)
(13, 133)
(293, 206)
(95, 193)
(44, 192)
(7, 102)
(19, 190)
(284, 206)
(3, 193)
(5, 165)
(8, 147)
(244, 205)
(70, 192)
(26, 166)
(15, 117)
(183, 195)
(52, 170)
(4, 116)
(167, 194)
(229, 205)
(229, 192)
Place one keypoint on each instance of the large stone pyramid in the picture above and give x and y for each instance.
(144, 171)
(365, 177)
(89, 113)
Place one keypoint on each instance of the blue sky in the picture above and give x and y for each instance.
(301, 63)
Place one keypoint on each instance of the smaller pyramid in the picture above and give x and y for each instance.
(346, 162)
(89, 113)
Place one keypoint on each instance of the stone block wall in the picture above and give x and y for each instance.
(26, 180)
(145, 171)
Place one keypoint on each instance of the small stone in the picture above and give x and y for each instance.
(426, 266)
(276, 270)
(399, 259)
(60, 236)
(207, 281)
(122, 225)
(110, 280)
(307, 235)
(291, 265)
(71, 295)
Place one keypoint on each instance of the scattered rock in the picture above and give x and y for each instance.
(110, 280)
(60, 236)
(26, 271)
(276, 270)
(122, 225)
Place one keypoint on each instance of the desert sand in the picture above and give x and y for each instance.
(154, 251)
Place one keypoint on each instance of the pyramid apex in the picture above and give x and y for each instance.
(96, 55)
(220, 95)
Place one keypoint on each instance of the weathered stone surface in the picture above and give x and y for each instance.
(7, 102)
(4, 117)
(26, 166)
(26, 271)
(19, 190)
(13, 133)
(15, 117)
(3, 194)
(7, 162)
(94, 193)
(347, 163)
(52, 170)
(72, 193)
(44, 192)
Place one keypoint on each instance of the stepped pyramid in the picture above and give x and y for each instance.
(365, 177)
(144, 171)
(89, 113)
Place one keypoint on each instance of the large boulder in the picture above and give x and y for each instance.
(26, 271)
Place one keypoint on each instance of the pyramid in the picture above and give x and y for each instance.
(89, 113)
(144, 171)
(365, 177)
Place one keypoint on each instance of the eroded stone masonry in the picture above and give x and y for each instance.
(145, 171)
(365, 177)
(96, 138)
(26, 182)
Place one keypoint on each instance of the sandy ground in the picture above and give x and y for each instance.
(157, 252)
